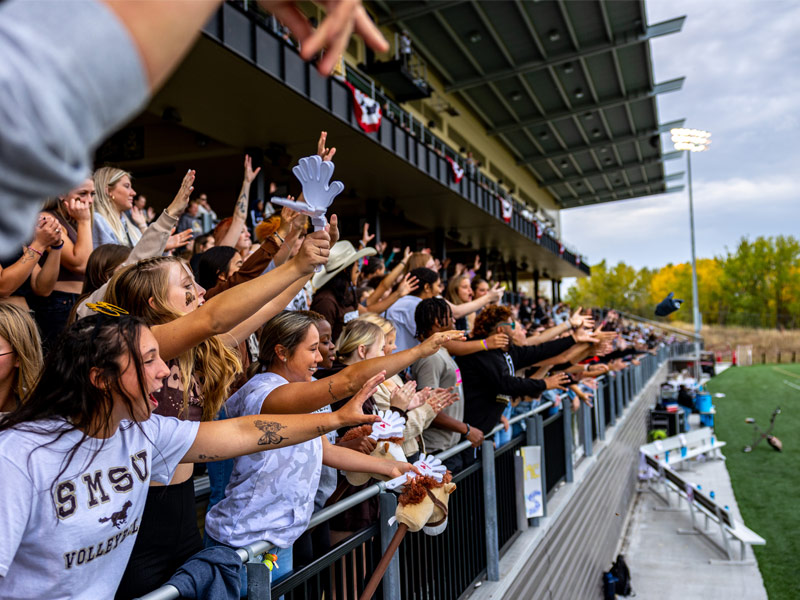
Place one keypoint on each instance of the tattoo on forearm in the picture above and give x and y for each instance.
(241, 205)
(330, 392)
(322, 430)
(270, 430)
(28, 256)
(208, 457)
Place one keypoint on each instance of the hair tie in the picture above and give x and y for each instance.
(106, 308)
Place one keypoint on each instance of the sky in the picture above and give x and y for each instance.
(741, 60)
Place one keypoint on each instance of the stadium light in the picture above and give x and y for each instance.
(692, 140)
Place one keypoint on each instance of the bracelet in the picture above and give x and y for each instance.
(483, 341)
(277, 235)
(59, 247)
(468, 429)
(32, 249)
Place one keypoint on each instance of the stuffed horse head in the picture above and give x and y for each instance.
(423, 504)
(388, 432)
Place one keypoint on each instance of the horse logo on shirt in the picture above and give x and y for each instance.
(119, 518)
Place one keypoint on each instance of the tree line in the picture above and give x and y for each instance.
(756, 285)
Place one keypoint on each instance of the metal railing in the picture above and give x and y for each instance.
(485, 516)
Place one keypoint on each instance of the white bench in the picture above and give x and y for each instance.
(669, 451)
(701, 505)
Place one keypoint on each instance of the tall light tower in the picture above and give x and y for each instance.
(692, 140)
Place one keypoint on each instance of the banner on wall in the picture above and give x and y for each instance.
(532, 488)
(367, 110)
(508, 209)
(458, 172)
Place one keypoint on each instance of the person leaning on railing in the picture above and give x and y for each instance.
(489, 381)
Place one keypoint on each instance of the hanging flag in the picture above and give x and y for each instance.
(458, 172)
(507, 209)
(538, 230)
(560, 248)
(367, 110)
(577, 259)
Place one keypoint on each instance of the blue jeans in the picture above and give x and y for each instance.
(502, 437)
(284, 563)
(219, 473)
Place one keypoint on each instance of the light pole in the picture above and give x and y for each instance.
(692, 140)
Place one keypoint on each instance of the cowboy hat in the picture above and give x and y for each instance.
(342, 255)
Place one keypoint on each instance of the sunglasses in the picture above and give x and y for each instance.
(512, 324)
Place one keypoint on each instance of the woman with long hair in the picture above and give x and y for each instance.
(20, 355)
(114, 197)
(285, 484)
(198, 340)
(459, 291)
(77, 457)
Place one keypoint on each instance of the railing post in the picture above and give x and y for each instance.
(612, 396)
(391, 580)
(535, 437)
(618, 392)
(566, 413)
(258, 581)
(519, 490)
(490, 511)
(600, 408)
(585, 422)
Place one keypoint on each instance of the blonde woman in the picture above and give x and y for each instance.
(459, 291)
(114, 196)
(202, 365)
(20, 355)
(422, 406)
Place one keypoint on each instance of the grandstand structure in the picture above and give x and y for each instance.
(548, 105)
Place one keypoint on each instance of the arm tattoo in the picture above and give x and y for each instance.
(330, 392)
(270, 429)
(322, 430)
(27, 256)
(208, 457)
(241, 205)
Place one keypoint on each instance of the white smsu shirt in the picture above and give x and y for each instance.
(71, 538)
(270, 495)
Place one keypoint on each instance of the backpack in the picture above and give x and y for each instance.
(623, 576)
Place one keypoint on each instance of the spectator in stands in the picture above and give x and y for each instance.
(401, 313)
(488, 377)
(191, 219)
(114, 197)
(459, 291)
(73, 212)
(335, 298)
(217, 265)
(202, 368)
(89, 417)
(480, 287)
(20, 356)
(283, 381)
(441, 371)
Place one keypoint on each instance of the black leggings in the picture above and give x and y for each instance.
(167, 537)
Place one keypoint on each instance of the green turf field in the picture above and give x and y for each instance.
(766, 482)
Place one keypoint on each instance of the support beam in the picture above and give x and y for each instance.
(640, 135)
(672, 85)
(589, 200)
(418, 11)
(664, 28)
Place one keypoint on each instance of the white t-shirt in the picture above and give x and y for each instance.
(72, 539)
(270, 495)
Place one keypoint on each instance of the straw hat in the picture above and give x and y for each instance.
(343, 254)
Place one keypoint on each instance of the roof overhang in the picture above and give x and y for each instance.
(567, 86)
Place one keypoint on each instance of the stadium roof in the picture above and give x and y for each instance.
(568, 86)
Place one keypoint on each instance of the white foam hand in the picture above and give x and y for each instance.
(431, 466)
(391, 425)
(318, 189)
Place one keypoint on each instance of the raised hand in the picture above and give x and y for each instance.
(181, 200)
(366, 238)
(408, 284)
(343, 17)
(402, 397)
(477, 264)
(323, 152)
(420, 397)
(314, 251)
(333, 229)
(179, 240)
(557, 381)
(381, 247)
(497, 341)
(431, 346)
(249, 173)
(352, 413)
(585, 335)
(138, 217)
(496, 293)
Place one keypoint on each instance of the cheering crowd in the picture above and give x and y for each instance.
(134, 346)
